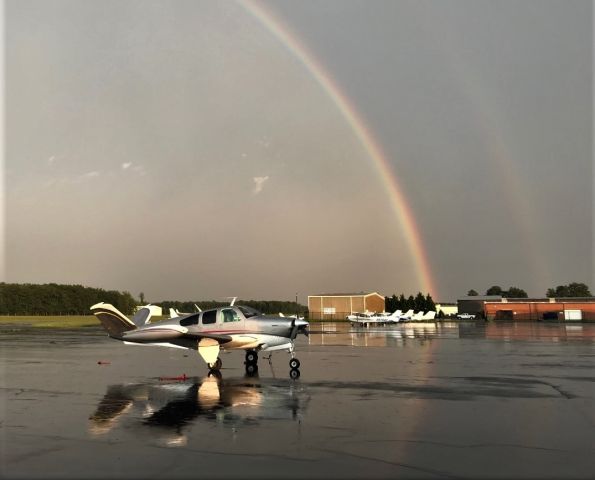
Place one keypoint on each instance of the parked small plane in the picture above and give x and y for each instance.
(232, 327)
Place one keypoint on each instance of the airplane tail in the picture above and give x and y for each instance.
(142, 316)
(114, 321)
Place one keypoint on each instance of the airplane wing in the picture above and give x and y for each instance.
(167, 333)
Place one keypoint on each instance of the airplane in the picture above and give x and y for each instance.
(406, 316)
(233, 327)
(368, 318)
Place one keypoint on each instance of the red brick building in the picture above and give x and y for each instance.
(562, 309)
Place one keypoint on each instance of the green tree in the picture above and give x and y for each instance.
(573, 289)
(514, 292)
(419, 302)
(390, 303)
(495, 290)
(472, 293)
(429, 303)
(402, 304)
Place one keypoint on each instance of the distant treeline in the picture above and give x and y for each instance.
(417, 303)
(55, 299)
(265, 306)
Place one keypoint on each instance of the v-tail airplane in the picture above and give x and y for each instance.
(233, 327)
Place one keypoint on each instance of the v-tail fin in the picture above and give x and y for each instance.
(114, 321)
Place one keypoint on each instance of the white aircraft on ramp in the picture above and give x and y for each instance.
(231, 327)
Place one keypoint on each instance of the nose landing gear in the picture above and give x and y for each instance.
(294, 366)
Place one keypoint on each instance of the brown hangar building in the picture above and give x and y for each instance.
(336, 306)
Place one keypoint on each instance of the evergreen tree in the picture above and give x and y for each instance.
(429, 303)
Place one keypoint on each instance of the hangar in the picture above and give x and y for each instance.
(336, 306)
(561, 309)
(519, 309)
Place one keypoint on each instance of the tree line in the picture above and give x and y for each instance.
(572, 290)
(56, 299)
(417, 303)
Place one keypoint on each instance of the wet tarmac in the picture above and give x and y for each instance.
(409, 401)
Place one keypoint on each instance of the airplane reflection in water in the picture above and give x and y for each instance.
(344, 334)
(339, 333)
(168, 408)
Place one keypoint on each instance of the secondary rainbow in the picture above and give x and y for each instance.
(397, 200)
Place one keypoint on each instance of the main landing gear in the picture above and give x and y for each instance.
(252, 364)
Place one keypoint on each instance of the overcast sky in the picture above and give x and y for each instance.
(180, 149)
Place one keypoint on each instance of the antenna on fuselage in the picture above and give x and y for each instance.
(233, 300)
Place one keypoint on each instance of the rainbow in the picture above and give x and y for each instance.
(489, 120)
(372, 147)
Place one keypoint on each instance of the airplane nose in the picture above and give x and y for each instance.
(302, 326)
(298, 325)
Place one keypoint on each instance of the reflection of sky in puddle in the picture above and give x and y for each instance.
(343, 333)
(168, 409)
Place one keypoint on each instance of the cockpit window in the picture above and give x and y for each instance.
(249, 312)
(210, 316)
(229, 315)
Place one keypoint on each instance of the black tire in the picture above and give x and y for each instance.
(251, 356)
(294, 373)
(251, 369)
(294, 364)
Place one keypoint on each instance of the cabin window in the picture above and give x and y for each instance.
(193, 320)
(230, 315)
(209, 317)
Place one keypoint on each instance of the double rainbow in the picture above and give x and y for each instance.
(372, 147)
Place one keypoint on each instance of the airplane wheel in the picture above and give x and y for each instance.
(294, 373)
(251, 369)
(214, 374)
(251, 356)
(294, 364)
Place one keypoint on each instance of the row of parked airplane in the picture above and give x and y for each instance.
(395, 317)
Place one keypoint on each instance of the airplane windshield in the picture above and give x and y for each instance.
(249, 312)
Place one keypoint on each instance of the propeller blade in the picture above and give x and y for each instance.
(294, 330)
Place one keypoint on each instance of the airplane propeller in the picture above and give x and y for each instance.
(300, 326)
